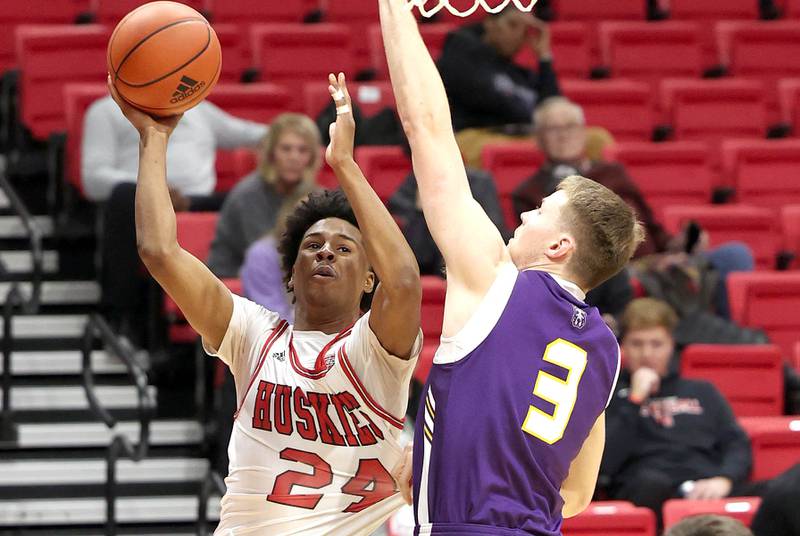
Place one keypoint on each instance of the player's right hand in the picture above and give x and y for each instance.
(644, 382)
(402, 473)
(139, 119)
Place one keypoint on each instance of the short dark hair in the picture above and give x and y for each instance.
(709, 525)
(318, 206)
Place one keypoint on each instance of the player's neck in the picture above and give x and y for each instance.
(311, 319)
(552, 269)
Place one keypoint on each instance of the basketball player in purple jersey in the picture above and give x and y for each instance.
(511, 429)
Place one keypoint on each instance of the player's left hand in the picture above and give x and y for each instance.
(402, 473)
(343, 131)
(709, 489)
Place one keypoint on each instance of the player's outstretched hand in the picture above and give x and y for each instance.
(139, 119)
(343, 131)
(402, 473)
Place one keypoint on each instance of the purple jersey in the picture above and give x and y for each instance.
(509, 402)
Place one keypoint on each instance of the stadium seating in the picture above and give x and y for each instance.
(359, 16)
(612, 517)
(370, 97)
(246, 12)
(510, 164)
(671, 173)
(112, 11)
(768, 300)
(792, 9)
(750, 377)
(795, 360)
(709, 10)
(578, 10)
(235, 52)
(741, 508)
(650, 51)
(293, 54)
(755, 226)
(432, 311)
(760, 49)
(256, 102)
(77, 99)
(384, 167)
(433, 34)
(425, 360)
(763, 172)
(232, 165)
(789, 100)
(624, 107)
(572, 50)
(714, 109)
(12, 14)
(50, 57)
(775, 442)
(790, 224)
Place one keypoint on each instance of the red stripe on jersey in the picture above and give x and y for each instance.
(276, 334)
(371, 403)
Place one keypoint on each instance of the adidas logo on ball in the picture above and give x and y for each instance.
(186, 88)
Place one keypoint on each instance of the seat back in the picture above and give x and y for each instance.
(763, 172)
(750, 377)
(790, 223)
(432, 311)
(571, 45)
(624, 107)
(77, 99)
(510, 164)
(741, 508)
(370, 97)
(775, 442)
(384, 167)
(577, 10)
(789, 100)
(611, 517)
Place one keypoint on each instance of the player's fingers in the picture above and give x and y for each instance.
(343, 87)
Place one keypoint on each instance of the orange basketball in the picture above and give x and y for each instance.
(164, 58)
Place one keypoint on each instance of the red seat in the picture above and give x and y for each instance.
(741, 508)
(371, 97)
(671, 173)
(433, 34)
(796, 356)
(714, 109)
(49, 58)
(77, 99)
(232, 165)
(613, 517)
(790, 223)
(624, 107)
(235, 52)
(359, 16)
(293, 54)
(792, 9)
(384, 167)
(764, 172)
(768, 300)
(425, 360)
(570, 10)
(570, 42)
(750, 377)
(434, 289)
(112, 11)
(510, 164)
(708, 10)
(246, 12)
(775, 442)
(650, 51)
(789, 101)
(256, 102)
(757, 227)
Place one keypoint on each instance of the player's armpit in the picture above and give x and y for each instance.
(578, 488)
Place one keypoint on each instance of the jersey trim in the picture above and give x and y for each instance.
(483, 319)
(320, 370)
(616, 377)
(362, 391)
(279, 330)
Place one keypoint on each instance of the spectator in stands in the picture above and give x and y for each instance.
(287, 172)
(709, 525)
(405, 206)
(669, 437)
(561, 134)
(109, 160)
(484, 85)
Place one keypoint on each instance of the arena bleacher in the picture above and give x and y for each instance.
(700, 98)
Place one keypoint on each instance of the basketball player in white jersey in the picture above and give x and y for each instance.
(321, 403)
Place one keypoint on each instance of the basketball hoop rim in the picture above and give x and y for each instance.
(522, 5)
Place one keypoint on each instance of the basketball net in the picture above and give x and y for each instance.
(522, 5)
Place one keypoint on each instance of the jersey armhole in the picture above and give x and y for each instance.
(483, 319)
(616, 378)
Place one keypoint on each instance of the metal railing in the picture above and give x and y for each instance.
(17, 302)
(120, 445)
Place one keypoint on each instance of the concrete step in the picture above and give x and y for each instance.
(11, 226)
(96, 434)
(59, 292)
(73, 397)
(92, 511)
(62, 362)
(72, 472)
(20, 262)
(48, 326)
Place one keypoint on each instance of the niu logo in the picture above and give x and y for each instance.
(186, 88)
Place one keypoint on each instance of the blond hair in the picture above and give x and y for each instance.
(648, 313)
(605, 229)
(304, 127)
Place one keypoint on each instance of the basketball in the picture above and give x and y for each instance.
(164, 58)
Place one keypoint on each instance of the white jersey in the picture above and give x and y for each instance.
(316, 433)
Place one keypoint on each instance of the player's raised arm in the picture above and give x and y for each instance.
(471, 245)
(395, 312)
(204, 300)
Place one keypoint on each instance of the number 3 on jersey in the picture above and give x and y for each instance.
(562, 394)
